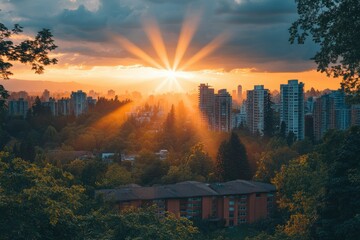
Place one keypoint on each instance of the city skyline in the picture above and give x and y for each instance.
(172, 52)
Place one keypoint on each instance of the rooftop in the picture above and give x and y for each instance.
(184, 190)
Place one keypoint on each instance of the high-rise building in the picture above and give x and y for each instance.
(18, 107)
(292, 108)
(52, 105)
(255, 108)
(64, 107)
(207, 104)
(78, 102)
(331, 112)
(239, 95)
(223, 110)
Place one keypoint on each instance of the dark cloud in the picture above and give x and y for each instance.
(259, 28)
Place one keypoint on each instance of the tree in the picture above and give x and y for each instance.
(271, 162)
(37, 203)
(231, 162)
(34, 51)
(268, 117)
(116, 176)
(335, 26)
(146, 224)
(299, 184)
(3, 96)
(199, 161)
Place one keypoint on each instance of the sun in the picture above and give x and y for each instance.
(171, 74)
(173, 70)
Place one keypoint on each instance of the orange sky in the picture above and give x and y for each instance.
(177, 59)
(151, 80)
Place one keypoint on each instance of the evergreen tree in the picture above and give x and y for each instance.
(282, 129)
(268, 117)
(232, 160)
(169, 134)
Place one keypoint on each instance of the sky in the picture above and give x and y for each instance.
(168, 45)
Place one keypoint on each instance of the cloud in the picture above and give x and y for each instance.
(259, 29)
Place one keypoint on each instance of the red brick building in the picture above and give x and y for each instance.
(234, 202)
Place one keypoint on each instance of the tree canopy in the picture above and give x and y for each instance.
(335, 26)
(34, 52)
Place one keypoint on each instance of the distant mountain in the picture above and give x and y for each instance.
(15, 85)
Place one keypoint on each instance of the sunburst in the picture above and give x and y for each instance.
(172, 71)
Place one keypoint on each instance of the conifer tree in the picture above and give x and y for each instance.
(232, 160)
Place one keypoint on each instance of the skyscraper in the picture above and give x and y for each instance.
(18, 107)
(64, 106)
(223, 108)
(331, 112)
(255, 108)
(292, 108)
(78, 102)
(207, 104)
(239, 95)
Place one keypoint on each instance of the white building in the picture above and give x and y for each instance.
(292, 108)
(255, 108)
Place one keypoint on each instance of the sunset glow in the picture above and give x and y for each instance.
(170, 47)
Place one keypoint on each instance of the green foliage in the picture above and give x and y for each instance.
(199, 161)
(335, 26)
(299, 185)
(271, 162)
(318, 193)
(115, 176)
(146, 224)
(37, 203)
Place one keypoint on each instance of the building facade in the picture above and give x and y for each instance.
(78, 103)
(207, 104)
(292, 108)
(239, 94)
(18, 108)
(235, 202)
(331, 112)
(223, 111)
(256, 102)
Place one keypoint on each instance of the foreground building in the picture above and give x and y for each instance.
(232, 203)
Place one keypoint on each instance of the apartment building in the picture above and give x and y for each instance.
(233, 203)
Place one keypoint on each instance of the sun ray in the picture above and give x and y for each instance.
(188, 30)
(153, 32)
(135, 50)
(205, 51)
